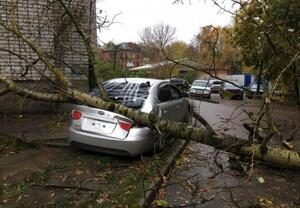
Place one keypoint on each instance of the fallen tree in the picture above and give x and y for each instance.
(64, 92)
(275, 156)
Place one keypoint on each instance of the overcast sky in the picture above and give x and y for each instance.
(138, 14)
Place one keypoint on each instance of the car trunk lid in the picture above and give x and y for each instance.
(101, 122)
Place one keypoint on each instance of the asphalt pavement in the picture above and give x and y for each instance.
(205, 177)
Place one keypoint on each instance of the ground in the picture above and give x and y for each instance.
(35, 173)
(205, 177)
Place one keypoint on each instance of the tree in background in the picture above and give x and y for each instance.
(177, 50)
(157, 38)
(268, 34)
(215, 49)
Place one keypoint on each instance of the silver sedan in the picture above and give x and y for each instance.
(108, 132)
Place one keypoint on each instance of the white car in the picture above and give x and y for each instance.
(200, 88)
(109, 132)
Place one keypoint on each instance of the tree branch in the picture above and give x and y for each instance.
(24, 92)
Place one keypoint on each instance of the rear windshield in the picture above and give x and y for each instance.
(129, 94)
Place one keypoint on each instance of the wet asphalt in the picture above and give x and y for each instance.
(205, 177)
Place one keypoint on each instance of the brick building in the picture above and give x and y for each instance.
(127, 55)
(46, 24)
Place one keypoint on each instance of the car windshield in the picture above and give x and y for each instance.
(129, 94)
(200, 83)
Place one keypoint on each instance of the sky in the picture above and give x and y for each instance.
(135, 15)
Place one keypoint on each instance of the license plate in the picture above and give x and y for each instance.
(97, 126)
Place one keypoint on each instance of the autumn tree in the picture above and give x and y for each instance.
(177, 50)
(215, 48)
(157, 38)
(268, 34)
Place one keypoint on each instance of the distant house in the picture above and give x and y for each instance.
(128, 55)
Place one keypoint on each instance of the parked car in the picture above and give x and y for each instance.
(105, 131)
(181, 84)
(200, 88)
(231, 91)
(252, 92)
(215, 85)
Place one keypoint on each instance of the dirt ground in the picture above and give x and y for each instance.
(34, 174)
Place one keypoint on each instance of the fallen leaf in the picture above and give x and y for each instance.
(261, 179)
(161, 203)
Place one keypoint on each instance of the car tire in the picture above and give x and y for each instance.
(209, 96)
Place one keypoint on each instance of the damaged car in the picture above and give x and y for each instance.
(109, 132)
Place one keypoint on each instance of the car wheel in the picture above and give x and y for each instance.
(209, 96)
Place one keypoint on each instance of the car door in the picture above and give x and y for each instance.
(172, 105)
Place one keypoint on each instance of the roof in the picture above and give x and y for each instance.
(125, 46)
(153, 66)
(134, 80)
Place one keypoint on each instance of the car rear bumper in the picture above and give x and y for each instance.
(137, 142)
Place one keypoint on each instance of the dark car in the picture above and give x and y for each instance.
(181, 84)
(232, 91)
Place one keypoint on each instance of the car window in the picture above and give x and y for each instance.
(217, 82)
(164, 93)
(167, 92)
(175, 93)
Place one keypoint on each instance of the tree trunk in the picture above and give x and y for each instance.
(296, 84)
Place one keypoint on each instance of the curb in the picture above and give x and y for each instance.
(150, 193)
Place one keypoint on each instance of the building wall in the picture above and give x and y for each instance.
(46, 25)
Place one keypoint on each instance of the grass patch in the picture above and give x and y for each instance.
(11, 144)
(40, 176)
(13, 191)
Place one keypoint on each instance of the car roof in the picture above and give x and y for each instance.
(134, 80)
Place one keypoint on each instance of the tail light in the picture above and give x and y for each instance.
(76, 115)
(125, 125)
